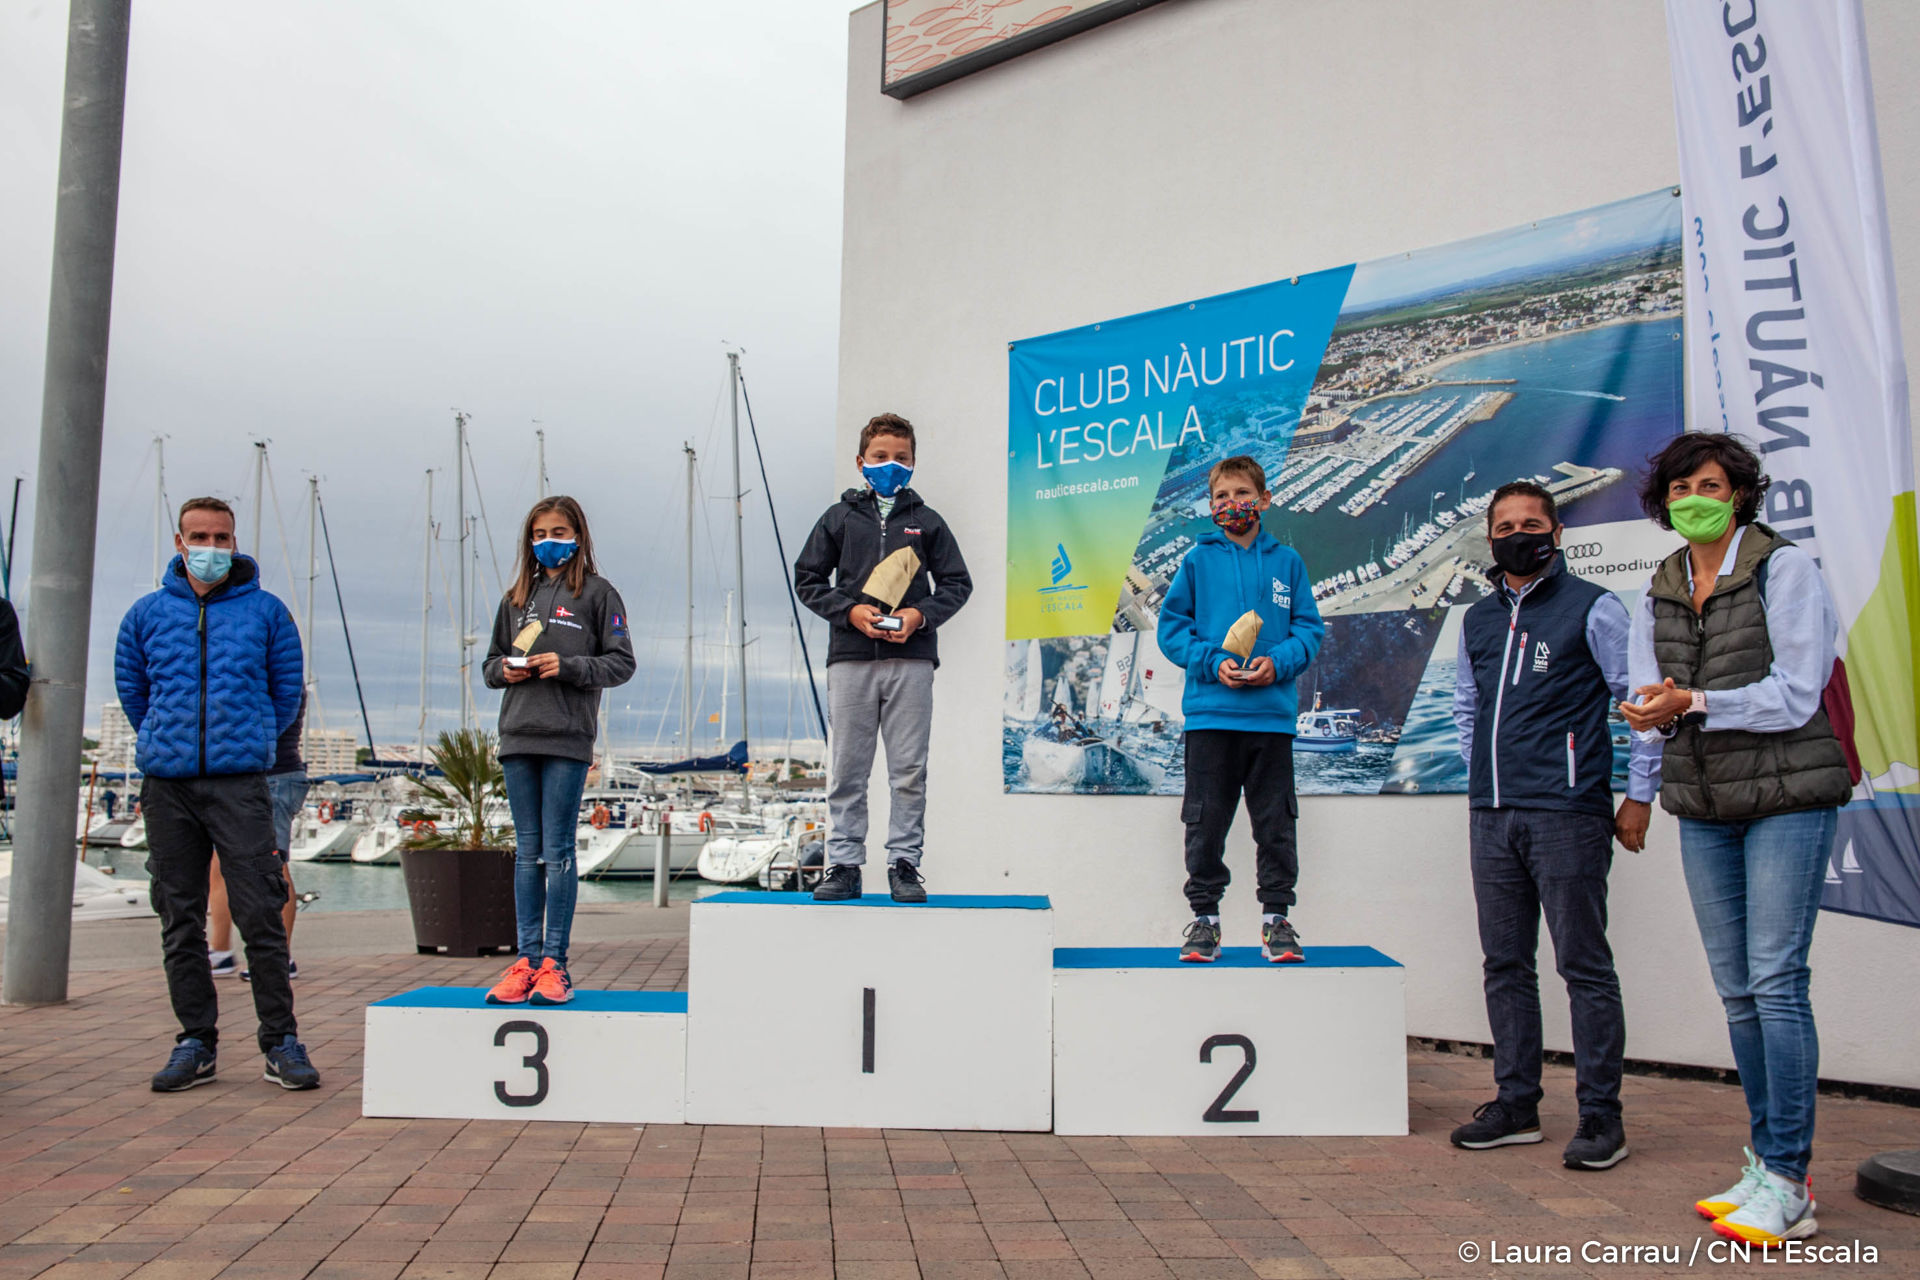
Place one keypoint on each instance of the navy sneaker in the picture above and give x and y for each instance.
(905, 882)
(222, 964)
(842, 883)
(288, 1067)
(1497, 1124)
(190, 1064)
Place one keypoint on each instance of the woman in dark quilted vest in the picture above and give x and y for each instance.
(1730, 653)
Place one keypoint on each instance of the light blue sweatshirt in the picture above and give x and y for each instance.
(1217, 582)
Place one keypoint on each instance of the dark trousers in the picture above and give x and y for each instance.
(187, 819)
(1222, 765)
(1529, 862)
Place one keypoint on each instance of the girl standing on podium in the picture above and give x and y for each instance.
(559, 638)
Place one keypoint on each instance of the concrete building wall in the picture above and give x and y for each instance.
(1203, 146)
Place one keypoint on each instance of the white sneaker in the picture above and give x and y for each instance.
(1776, 1211)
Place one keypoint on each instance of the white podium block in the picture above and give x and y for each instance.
(444, 1052)
(871, 1013)
(1144, 1044)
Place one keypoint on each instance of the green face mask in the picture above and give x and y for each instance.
(1700, 519)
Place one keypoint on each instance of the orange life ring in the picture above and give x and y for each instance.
(326, 811)
(424, 827)
(706, 822)
(600, 817)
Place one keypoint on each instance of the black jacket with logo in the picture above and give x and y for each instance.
(845, 546)
(560, 715)
(1540, 738)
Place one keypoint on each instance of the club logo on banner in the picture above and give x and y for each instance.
(1794, 343)
(1386, 401)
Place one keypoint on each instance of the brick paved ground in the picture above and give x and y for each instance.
(101, 1179)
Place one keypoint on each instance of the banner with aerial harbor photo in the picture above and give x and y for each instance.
(1386, 402)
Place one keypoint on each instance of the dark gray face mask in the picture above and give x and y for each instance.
(1523, 554)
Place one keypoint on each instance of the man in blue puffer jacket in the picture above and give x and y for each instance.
(209, 672)
(1240, 715)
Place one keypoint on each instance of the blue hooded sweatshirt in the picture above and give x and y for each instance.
(1217, 582)
(209, 684)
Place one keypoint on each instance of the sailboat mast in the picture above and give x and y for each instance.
(306, 627)
(740, 570)
(726, 629)
(426, 616)
(160, 512)
(460, 516)
(540, 434)
(259, 468)
(686, 674)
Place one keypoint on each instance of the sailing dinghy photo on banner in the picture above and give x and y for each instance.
(1386, 402)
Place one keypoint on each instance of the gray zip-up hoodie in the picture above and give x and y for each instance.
(560, 716)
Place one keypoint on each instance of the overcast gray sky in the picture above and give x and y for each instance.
(339, 219)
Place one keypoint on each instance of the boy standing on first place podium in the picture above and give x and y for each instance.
(880, 660)
(1240, 618)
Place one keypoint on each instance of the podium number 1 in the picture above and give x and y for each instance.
(537, 1060)
(1217, 1113)
(866, 1031)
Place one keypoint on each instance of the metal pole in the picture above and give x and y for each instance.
(740, 577)
(460, 514)
(67, 501)
(426, 616)
(663, 858)
(13, 540)
(259, 471)
(540, 433)
(686, 675)
(161, 516)
(306, 627)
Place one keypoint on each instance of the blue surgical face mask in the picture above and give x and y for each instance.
(553, 552)
(209, 564)
(888, 478)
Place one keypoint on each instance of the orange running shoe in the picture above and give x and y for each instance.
(551, 985)
(514, 984)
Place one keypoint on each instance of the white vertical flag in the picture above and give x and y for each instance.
(1793, 341)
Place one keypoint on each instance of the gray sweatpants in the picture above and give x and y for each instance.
(868, 701)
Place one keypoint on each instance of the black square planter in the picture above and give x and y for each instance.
(461, 900)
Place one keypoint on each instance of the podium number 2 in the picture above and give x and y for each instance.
(537, 1061)
(1218, 1113)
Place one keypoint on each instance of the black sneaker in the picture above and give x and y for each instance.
(1203, 943)
(1280, 944)
(904, 882)
(190, 1064)
(1599, 1143)
(293, 971)
(287, 1065)
(841, 883)
(1495, 1124)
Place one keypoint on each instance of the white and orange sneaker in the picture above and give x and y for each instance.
(514, 985)
(1776, 1211)
(550, 984)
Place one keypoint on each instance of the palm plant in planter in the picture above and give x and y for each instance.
(460, 881)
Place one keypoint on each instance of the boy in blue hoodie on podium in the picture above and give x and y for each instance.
(1240, 705)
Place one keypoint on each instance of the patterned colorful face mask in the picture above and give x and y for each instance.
(1236, 517)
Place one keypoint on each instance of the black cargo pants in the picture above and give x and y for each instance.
(1222, 764)
(187, 819)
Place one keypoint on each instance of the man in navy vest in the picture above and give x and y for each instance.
(1541, 663)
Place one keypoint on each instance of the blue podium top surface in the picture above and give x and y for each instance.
(935, 901)
(584, 1001)
(1230, 958)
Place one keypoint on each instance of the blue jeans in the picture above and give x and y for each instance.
(1529, 863)
(1756, 890)
(544, 794)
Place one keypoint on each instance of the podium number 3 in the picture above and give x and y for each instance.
(536, 1061)
(1218, 1113)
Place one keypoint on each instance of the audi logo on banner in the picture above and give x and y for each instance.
(1583, 550)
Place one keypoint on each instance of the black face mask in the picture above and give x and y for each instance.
(1523, 554)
